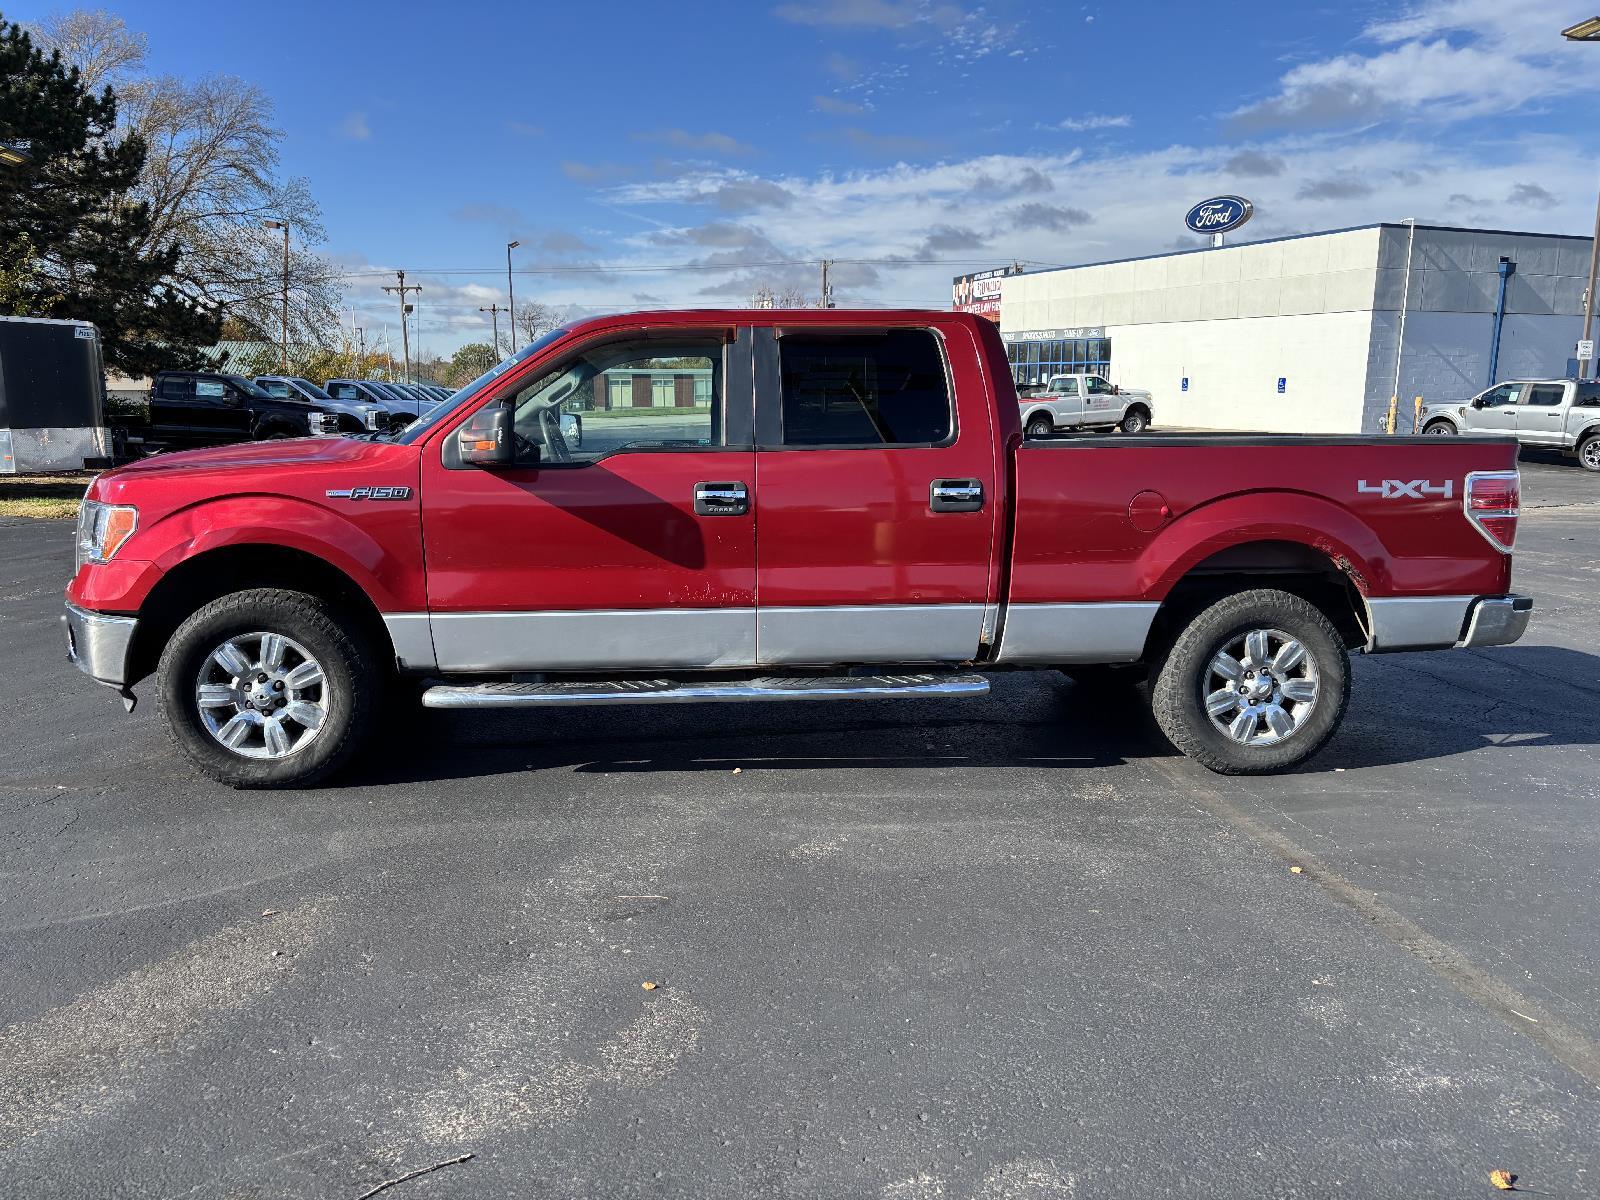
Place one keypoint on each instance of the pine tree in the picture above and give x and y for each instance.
(70, 237)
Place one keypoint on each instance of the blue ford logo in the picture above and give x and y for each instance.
(1219, 214)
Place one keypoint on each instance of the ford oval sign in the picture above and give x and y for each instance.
(1219, 214)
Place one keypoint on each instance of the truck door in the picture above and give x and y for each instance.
(1101, 404)
(1067, 401)
(1542, 414)
(876, 497)
(634, 551)
(1494, 411)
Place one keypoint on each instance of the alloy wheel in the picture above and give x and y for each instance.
(262, 695)
(1260, 687)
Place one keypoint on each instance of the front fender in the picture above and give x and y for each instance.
(1271, 516)
(378, 547)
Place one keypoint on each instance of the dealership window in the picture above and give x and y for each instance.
(1033, 362)
(880, 389)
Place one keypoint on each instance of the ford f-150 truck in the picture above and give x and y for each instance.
(1085, 402)
(1561, 414)
(774, 505)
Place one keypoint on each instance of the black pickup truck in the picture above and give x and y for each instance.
(203, 408)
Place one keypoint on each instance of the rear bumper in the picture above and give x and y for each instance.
(98, 644)
(1440, 622)
(1497, 620)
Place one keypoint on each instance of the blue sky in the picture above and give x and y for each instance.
(909, 139)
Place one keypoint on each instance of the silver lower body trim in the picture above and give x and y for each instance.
(652, 639)
(412, 635)
(663, 691)
(1417, 622)
(868, 633)
(1075, 633)
(1498, 621)
(98, 644)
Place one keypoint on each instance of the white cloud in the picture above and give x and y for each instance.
(1445, 59)
(1095, 121)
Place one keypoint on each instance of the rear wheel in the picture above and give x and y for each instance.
(1040, 426)
(267, 688)
(1440, 429)
(1589, 452)
(1256, 683)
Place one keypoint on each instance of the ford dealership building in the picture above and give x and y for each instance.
(1308, 334)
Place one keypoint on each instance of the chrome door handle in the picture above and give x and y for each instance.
(728, 499)
(955, 495)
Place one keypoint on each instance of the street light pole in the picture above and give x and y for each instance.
(283, 225)
(1588, 31)
(511, 296)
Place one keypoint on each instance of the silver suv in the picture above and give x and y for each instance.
(1562, 414)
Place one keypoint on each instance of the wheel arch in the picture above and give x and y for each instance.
(1039, 410)
(237, 567)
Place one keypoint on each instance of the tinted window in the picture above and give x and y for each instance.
(884, 389)
(310, 389)
(175, 389)
(1588, 395)
(245, 386)
(1545, 394)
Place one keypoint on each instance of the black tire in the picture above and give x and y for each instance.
(1589, 452)
(347, 664)
(1135, 420)
(1439, 429)
(1040, 426)
(1178, 693)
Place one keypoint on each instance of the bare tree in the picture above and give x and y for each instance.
(766, 295)
(210, 179)
(533, 320)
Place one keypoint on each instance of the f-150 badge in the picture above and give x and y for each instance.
(371, 493)
(1415, 489)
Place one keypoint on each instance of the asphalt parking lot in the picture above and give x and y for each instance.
(1009, 947)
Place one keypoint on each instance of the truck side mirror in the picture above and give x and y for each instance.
(485, 440)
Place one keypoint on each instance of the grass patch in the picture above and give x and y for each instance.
(49, 497)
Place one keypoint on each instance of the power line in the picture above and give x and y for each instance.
(603, 269)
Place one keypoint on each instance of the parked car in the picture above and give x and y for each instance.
(211, 408)
(1561, 414)
(402, 409)
(1085, 402)
(332, 415)
(909, 544)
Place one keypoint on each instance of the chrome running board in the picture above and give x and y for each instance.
(665, 691)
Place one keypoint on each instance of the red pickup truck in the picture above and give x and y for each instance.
(772, 505)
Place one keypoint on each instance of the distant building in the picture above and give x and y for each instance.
(1302, 334)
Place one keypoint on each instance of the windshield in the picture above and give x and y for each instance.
(247, 386)
(420, 427)
(309, 388)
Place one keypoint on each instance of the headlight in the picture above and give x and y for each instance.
(374, 419)
(102, 528)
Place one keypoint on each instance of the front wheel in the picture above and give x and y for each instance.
(1134, 422)
(1440, 429)
(1256, 683)
(1039, 427)
(267, 688)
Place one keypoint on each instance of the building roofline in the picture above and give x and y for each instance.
(1296, 237)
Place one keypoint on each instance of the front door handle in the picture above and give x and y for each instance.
(727, 499)
(955, 495)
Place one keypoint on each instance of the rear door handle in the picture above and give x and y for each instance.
(955, 495)
(726, 499)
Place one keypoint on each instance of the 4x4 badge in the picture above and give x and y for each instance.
(1414, 489)
(371, 493)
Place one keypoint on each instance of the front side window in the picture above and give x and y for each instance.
(623, 396)
(275, 387)
(1506, 393)
(884, 389)
(175, 389)
(1098, 386)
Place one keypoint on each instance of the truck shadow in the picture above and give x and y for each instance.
(1405, 708)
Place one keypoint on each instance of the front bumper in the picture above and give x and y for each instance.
(98, 644)
(1497, 620)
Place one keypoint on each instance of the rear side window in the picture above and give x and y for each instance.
(175, 389)
(885, 389)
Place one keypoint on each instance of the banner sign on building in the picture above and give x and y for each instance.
(980, 292)
(1057, 335)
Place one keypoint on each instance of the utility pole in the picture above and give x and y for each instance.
(283, 225)
(1588, 296)
(361, 350)
(494, 311)
(826, 299)
(511, 297)
(405, 326)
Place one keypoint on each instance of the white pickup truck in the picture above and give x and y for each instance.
(1563, 414)
(1085, 402)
